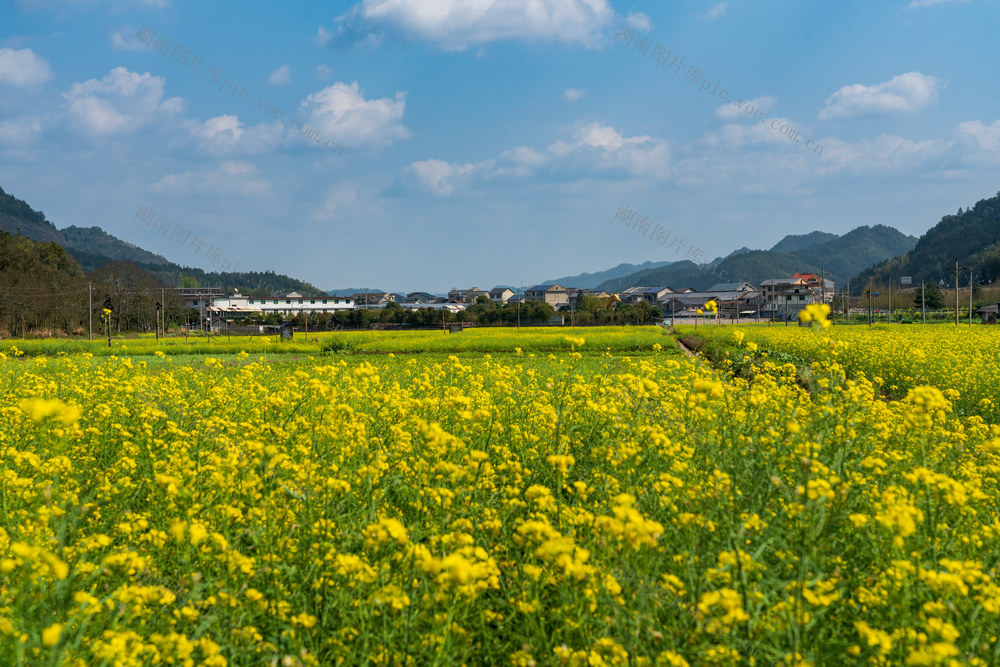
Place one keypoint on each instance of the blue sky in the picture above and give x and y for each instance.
(477, 142)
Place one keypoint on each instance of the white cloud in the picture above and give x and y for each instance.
(594, 147)
(639, 21)
(323, 72)
(455, 24)
(124, 40)
(323, 37)
(341, 113)
(120, 103)
(908, 92)
(739, 135)
(223, 135)
(524, 155)
(987, 137)
(231, 178)
(573, 94)
(715, 12)
(602, 147)
(19, 134)
(23, 68)
(441, 177)
(340, 196)
(734, 110)
(887, 153)
(519, 162)
(220, 125)
(930, 3)
(280, 76)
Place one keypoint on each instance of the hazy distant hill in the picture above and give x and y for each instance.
(348, 291)
(794, 242)
(592, 280)
(840, 257)
(858, 249)
(92, 247)
(95, 243)
(17, 218)
(972, 236)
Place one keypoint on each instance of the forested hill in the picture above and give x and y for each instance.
(972, 236)
(17, 218)
(592, 280)
(795, 242)
(92, 248)
(840, 257)
(37, 278)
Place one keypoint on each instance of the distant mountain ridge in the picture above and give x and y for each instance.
(839, 257)
(796, 242)
(972, 236)
(92, 247)
(592, 280)
(95, 242)
(348, 291)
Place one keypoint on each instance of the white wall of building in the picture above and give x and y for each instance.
(282, 305)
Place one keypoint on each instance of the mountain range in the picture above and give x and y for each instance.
(592, 280)
(971, 236)
(839, 257)
(878, 253)
(92, 247)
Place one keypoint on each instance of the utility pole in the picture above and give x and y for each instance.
(519, 299)
(923, 300)
(822, 285)
(90, 311)
(869, 305)
(956, 291)
(889, 318)
(163, 314)
(970, 297)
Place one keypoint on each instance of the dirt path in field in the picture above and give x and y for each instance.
(681, 345)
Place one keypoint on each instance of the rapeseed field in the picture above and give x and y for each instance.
(572, 501)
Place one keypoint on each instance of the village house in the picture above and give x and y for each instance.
(784, 298)
(554, 295)
(421, 297)
(822, 288)
(501, 294)
(465, 295)
(371, 298)
(732, 304)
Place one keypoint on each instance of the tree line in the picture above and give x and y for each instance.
(43, 291)
(484, 312)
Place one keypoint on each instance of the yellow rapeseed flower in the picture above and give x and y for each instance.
(51, 634)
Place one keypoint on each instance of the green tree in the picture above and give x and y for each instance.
(934, 297)
(393, 312)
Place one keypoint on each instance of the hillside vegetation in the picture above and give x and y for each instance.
(972, 236)
(92, 248)
(840, 257)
